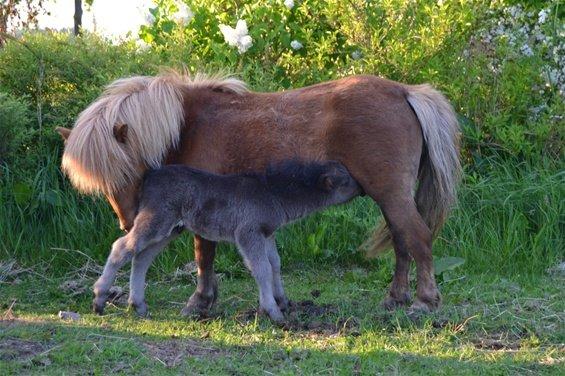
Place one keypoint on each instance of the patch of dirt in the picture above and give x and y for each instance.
(118, 296)
(73, 287)
(497, 342)
(171, 353)
(307, 316)
(20, 350)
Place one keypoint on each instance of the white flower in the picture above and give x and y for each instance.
(237, 37)
(296, 45)
(141, 45)
(553, 76)
(542, 16)
(356, 55)
(184, 14)
(526, 50)
(289, 4)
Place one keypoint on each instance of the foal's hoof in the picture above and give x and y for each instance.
(391, 303)
(140, 309)
(283, 303)
(275, 315)
(98, 307)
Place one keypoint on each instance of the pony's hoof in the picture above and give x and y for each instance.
(199, 305)
(428, 305)
(195, 312)
(390, 303)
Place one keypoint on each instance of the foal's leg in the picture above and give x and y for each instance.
(139, 266)
(121, 253)
(274, 259)
(146, 231)
(206, 291)
(253, 248)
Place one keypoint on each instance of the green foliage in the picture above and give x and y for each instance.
(14, 133)
(510, 203)
(413, 42)
(58, 76)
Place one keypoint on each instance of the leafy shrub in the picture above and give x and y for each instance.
(511, 118)
(59, 75)
(15, 130)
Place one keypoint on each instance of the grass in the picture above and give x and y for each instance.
(509, 220)
(502, 312)
(488, 325)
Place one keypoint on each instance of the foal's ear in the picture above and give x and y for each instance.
(121, 132)
(64, 132)
(326, 181)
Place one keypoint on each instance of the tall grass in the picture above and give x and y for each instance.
(508, 221)
(510, 216)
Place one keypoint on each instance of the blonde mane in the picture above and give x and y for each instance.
(152, 108)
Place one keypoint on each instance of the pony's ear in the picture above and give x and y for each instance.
(64, 132)
(121, 132)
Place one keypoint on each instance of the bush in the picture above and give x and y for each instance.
(509, 100)
(59, 75)
(16, 132)
(447, 43)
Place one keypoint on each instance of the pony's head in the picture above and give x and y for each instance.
(131, 127)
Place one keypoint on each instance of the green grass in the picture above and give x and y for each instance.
(502, 312)
(488, 325)
(509, 220)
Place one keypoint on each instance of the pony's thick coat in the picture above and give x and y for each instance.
(151, 107)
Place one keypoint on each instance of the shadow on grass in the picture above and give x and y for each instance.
(340, 332)
(54, 347)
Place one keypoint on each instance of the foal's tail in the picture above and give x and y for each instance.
(440, 168)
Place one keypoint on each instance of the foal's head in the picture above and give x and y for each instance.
(327, 183)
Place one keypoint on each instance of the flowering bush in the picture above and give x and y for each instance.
(518, 62)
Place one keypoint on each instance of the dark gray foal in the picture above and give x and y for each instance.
(243, 209)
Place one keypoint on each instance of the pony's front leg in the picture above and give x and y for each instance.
(206, 291)
(118, 257)
(139, 266)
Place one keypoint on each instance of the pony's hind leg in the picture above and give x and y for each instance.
(139, 266)
(201, 301)
(411, 238)
(275, 261)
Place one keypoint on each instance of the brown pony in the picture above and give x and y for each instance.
(400, 142)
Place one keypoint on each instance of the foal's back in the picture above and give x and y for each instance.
(210, 205)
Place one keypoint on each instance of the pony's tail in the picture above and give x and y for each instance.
(440, 168)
